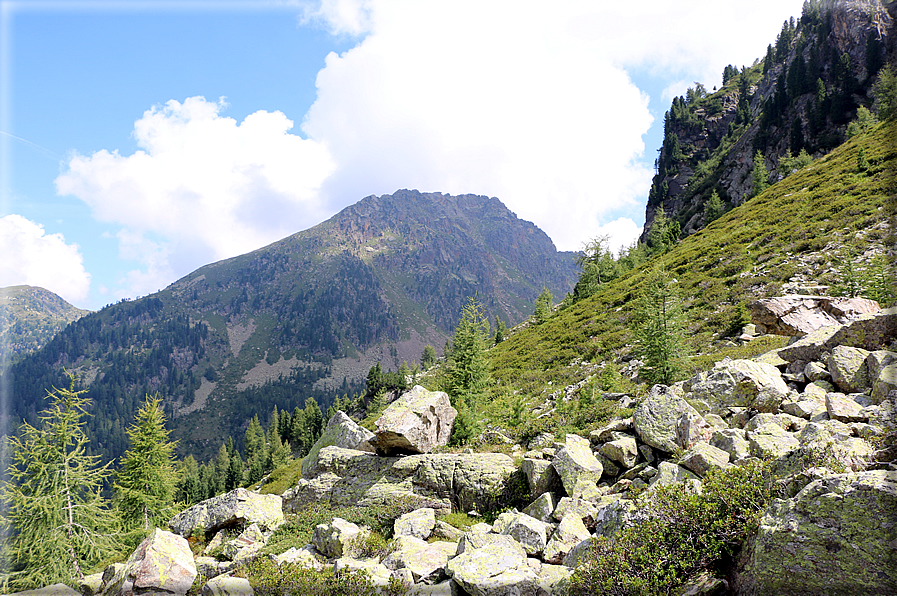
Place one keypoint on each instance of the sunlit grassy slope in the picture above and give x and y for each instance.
(794, 230)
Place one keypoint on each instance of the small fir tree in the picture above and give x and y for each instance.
(659, 329)
(760, 174)
(145, 483)
(501, 331)
(428, 357)
(543, 306)
(713, 208)
(61, 525)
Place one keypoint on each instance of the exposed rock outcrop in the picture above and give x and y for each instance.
(238, 507)
(415, 423)
(799, 315)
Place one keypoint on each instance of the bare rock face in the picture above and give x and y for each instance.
(162, 564)
(799, 315)
(415, 423)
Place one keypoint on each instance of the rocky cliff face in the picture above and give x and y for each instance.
(801, 96)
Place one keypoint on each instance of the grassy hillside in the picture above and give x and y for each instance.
(786, 240)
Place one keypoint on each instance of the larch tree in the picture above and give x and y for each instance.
(145, 483)
(58, 521)
(659, 329)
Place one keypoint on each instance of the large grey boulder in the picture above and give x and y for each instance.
(426, 561)
(578, 468)
(415, 423)
(341, 431)
(225, 585)
(418, 523)
(771, 441)
(885, 383)
(530, 532)
(498, 568)
(541, 476)
(162, 564)
(799, 315)
(335, 539)
(847, 365)
(842, 408)
(570, 532)
(542, 507)
(54, 590)
(741, 383)
(869, 332)
(702, 457)
(656, 419)
(238, 507)
(623, 451)
(836, 536)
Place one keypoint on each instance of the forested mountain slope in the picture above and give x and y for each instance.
(30, 317)
(304, 317)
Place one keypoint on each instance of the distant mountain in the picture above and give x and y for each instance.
(304, 317)
(30, 317)
(800, 96)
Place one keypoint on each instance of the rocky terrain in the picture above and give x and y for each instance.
(821, 410)
(30, 317)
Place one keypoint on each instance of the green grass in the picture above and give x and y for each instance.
(748, 253)
(283, 478)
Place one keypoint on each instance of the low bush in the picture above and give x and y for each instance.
(683, 534)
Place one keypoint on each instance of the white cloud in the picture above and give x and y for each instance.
(621, 232)
(35, 258)
(208, 187)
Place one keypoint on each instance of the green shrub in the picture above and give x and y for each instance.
(369, 545)
(269, 579)
(683, 534)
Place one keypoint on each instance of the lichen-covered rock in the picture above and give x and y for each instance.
(376, 572)
(870, 332)
(842, 408)
(447, 531)
(733, 441)
(655, 420)
(239, 506)
(225, 585)
(334, 539)
(692, 429)
(415, 423)
(671, 473)
(570, 532)
(530, 532)
(426, 561)
(418, 523)
(307, 556)
(249, 542)
(162, 564)
(885, 383)
(578, 468)
(847, 365)
(771, 441)
(836, 536)
(541, 476)
(54, 590)
(799, 315)
(542, 507)
(623, 451)
(341, 431)
(586, 510)
(701, 457)
(743, 383)
(498, 568)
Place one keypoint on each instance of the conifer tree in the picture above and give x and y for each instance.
(60, 522)
(659, 329)
(760, 175)
(428, 357)
(222, 467)
(278, 453)
(190, 488)
(543, 306)
(145, 484)
(467, 366)
(501, 330)
(713, 208)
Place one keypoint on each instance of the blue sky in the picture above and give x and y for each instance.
(141, 140)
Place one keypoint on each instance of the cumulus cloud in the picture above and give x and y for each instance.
(203, 185)
(35, 258)
(621, 233)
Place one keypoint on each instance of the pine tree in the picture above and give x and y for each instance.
(501, 330)
(467, 373)
(190, 488)
(713, 208)
(760, 175)
(543, 306)
(278, 453)
(60, 522)
(222, 469)
(256, 450)
(658, 327)
(145, 484)
(428, 357)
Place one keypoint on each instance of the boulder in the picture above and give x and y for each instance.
(869, 332)
(771, 441)
(341, 431)
(742, 383)
(307, 556)
(842, 408)
(542, 507)
(245, 546)
(816, 371)
(797, 315)
(830, 538)
(578, 468)
(623, 451)
(238, 507)
(671, 473)
(702, 456)
(530, 532)
(415, 423)
(733, 441)
(447, 531)
(541, 476)
(334, 539)
(611, 430)
(54, 590)
(426, 561)
(655, 420)
(847, 365)
(418, 523)
(570, 532)
(885, 383)
(225, 585)
(585, 510)
(375, 571)
(162, 564)
(692, 428)
(498, 568)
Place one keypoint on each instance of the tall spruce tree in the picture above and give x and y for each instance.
(659, 329)
(59, 522)
(146, 481)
